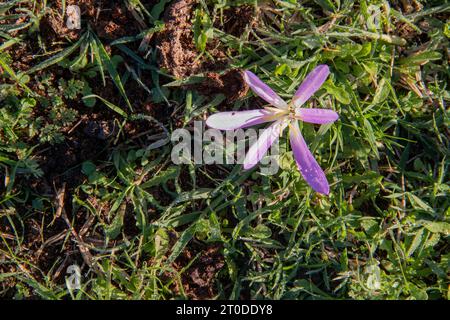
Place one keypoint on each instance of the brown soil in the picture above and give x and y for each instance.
(109, 19)
(237, 20)
(176, 44)
(231, 84)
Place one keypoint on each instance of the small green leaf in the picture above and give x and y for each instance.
(113, 230)
(338, 92)
(415, 200)
(88, 168)
(261, 232)
(382, 92)
(87, 91)
(418, 238)
(161, 178)
(161, 243)
(438, 227)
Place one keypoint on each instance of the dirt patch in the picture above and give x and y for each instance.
(60, 162)
(231, 84)
(175, 42)
(237, 19)
(109, 19)
(198, 280)
(54, 26)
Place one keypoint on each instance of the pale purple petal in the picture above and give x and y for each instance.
(239, 119)
(311, 84)
(306, 163)
(319, 116)
(263, 90)
(265, 140)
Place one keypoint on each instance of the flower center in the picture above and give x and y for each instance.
(291, 107)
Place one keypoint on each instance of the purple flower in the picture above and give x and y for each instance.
(282, 115)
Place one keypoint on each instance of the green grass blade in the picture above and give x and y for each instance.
(110, 105)
(106, 61)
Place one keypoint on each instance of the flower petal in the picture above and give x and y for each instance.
(263, 90)
(239, 119)
(265, 140)
(319, 116)
(311, 84)
(306, 163)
